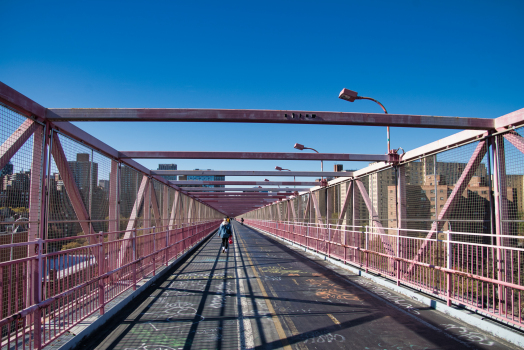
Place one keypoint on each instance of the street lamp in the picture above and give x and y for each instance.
(302, 147)
(351, 96)
(280, 169)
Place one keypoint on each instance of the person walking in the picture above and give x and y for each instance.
(224, 232)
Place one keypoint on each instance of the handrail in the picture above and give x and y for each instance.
(495, 297)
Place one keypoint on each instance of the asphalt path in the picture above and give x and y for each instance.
(262, 294)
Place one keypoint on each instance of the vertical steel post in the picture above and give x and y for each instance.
(37, 199)
(498, 224)
(449, 266)
(154, 251)
(114, 200)
(101, 271)
(90, 201)
(397, 210)
(328, 207)
(134, 258)
(367, 245)
(167, 246)
(45, 199)
(38, 274)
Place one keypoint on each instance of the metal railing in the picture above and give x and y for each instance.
(453, 266)
(75, 283)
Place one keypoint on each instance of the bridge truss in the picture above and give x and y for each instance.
(82, 223)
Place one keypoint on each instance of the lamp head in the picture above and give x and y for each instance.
(278, 168)
(266, 180)
(299, 146)
(348, 95)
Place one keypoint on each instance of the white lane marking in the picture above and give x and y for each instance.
(244, 305)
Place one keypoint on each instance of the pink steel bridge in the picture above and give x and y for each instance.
(446, 218)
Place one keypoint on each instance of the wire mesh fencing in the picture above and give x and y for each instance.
(449, 223)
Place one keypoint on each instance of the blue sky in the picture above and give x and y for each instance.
(450, 58)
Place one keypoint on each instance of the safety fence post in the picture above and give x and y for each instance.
(166, 255)
(329, 239)
(154, 251)
(449, 266)
(134, 258)
(101, 263)
(367, 244)
(398, 262)
(38, 283)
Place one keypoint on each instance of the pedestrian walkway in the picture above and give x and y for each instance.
(264, 295)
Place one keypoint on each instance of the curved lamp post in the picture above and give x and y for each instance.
(302, 147)
(351, 96)
(281, 169)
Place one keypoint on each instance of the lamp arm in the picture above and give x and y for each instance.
(372, 99)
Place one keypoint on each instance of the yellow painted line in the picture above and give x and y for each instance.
(294, 331)
(274, 317)
(287, 320)
(294, 280)
(334, 319)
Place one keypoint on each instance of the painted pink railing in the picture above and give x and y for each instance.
(454, 266)
(76, 283)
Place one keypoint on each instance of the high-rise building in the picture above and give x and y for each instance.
(84, 179)
(427, 193)
(104, 185)
(7, 169)
(203, 178)
(168, 167)
(129, 185)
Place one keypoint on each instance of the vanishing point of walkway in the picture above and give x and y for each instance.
(265, 295)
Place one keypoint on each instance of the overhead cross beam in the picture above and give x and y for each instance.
(244, 183)
(248, 189)
(342, 157)
(263, 194)
(204, 198)
(253, 173)
(265, 116)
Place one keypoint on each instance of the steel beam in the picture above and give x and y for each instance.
(71, 188)
(253, 173)
(174, 209)
(245, 183)
(240, 200)
(342, 157)
(510, 120)
(265, 116)
(155, 206)
(317, 209)
(516, 140)
(142, 191)
(28, 107)
(207, 200)
(238, 194)
(17, 139)
(19, 102)
(37, 184)
(376, 223)
(249, 189)
(237, 201)
(347, 200)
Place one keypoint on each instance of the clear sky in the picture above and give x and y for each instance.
(450, 58)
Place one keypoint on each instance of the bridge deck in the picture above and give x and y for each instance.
(264, 295)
